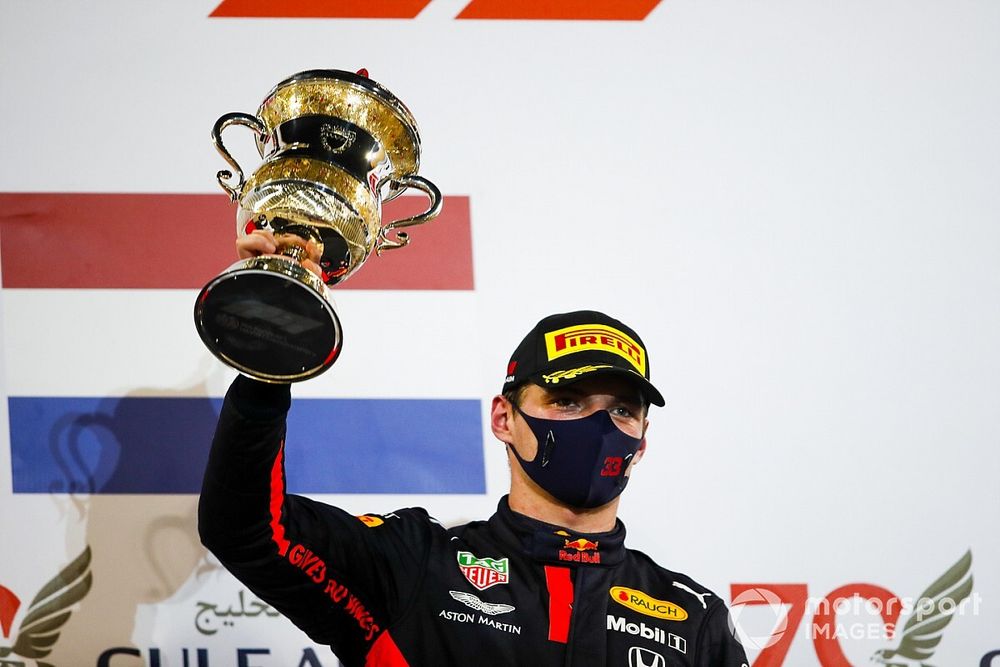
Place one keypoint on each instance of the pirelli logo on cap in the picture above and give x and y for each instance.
(595, 337)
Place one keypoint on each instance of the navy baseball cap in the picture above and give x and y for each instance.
(568, 347)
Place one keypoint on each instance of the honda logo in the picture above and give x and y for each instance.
(643, 657)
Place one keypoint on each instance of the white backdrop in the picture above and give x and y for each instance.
(794, 203)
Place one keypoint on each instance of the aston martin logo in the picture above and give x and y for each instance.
(930, 616)
(49, 611)
(491, 608)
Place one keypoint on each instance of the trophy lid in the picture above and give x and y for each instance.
(355, 98)
(356, 79)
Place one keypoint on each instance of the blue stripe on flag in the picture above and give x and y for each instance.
(160, 445)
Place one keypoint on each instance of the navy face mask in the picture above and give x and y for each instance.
(581, 462)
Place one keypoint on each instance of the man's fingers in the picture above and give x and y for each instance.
(312, 249)
(287, 240)
(312, 266)
(260, 242)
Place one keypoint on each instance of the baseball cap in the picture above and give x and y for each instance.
(568, 347)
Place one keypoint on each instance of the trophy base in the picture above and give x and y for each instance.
(269, 318)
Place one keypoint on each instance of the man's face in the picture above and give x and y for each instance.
(619, 397)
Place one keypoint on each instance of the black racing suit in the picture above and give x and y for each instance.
(401, 589)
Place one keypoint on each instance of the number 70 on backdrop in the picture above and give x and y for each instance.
(855, 611)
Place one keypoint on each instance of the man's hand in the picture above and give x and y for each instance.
(261, 242)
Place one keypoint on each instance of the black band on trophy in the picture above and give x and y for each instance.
(330, 139)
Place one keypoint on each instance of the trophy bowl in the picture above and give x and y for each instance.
(335, 145)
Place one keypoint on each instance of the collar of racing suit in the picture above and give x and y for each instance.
(552, 544)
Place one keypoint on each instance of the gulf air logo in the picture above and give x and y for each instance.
(48, 612)
(644, 604)
(539, 10)
(595, 337)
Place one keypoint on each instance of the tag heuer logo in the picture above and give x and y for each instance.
(483, 572)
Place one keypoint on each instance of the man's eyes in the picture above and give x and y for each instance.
(621, 411)
(564, 401)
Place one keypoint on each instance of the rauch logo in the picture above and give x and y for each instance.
(644, 604)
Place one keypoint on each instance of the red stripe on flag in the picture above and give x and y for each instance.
(560, 586)
(278, 500)
(320, 9)
(181, 241)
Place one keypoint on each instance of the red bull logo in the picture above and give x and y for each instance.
(580, 550)
(581, 544)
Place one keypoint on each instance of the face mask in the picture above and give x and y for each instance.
(581, 462)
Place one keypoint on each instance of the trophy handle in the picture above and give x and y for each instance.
(224, 176)
(402, 238)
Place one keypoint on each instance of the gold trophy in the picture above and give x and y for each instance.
(335, 145)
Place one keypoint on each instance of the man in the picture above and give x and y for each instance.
(546, 581)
